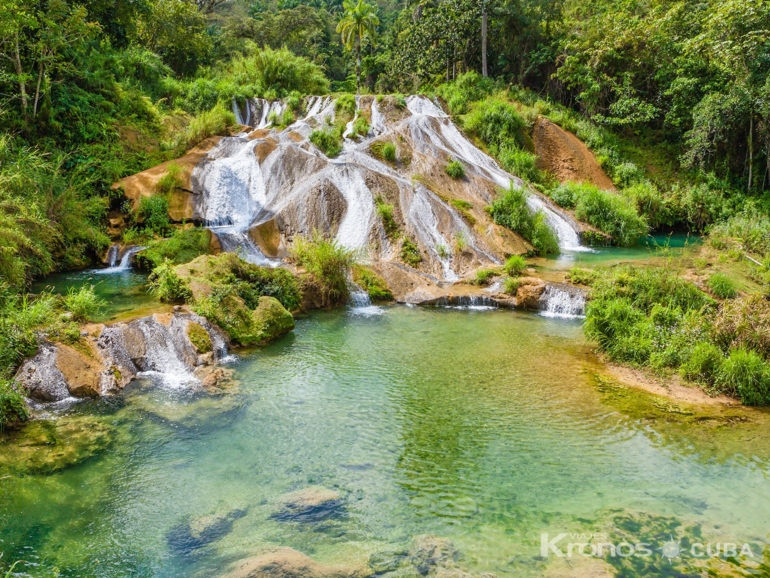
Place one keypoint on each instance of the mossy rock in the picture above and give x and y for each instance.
(45, 446)
(271, 319)
(199, 337)
(372, 283)
(184, 246)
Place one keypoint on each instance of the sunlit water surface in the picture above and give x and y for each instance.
(483, 427)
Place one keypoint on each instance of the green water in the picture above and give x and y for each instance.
(484, 427)
(121, 291)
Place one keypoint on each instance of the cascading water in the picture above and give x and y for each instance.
(112, 255)
(125, 261)
(164, 355)
(360, 302)
(466, 302)
(563, 302)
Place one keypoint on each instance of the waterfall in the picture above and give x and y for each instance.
(563, 301)
(165, 354)
(125, 260)
(360, 303)
(378, 119)
(235, 240)
(112, 255)
(466, 302)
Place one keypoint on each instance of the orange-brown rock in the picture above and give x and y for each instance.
(288, 563)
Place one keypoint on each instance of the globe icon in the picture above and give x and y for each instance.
(670, 549)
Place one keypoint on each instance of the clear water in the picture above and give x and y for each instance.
(122, 291)
(484, 427)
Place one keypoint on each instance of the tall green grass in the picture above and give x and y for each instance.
(510, 210)
(328, 262)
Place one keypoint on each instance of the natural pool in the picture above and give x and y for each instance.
(488, 428)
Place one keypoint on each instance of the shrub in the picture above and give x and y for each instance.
(216, 121)
(167, 286)
(748, 230)
(12, 405)
(510, 210)
(372, 283)
(461, 242)
(745, 375)
(345, 104)
(650, 204)
(580, 276)
(465, 89)
(328, 141)
(328, 262)
(722, 286)
(170, 180)
(744, 323)
(276, 73)
(83, 303)
(703, 363)
(611, 213)
(483, 276)
(360, 127)
(384, 150)
(385, 211)
(455, 169)
(515, 265)
(153, 214)
(410, 253)
(519, 162)
(511, 285)
(497, 123)
(183, 246)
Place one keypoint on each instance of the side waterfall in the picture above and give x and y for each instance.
(125, 260)
(563, 301)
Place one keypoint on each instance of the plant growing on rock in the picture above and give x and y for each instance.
(83, 303)
(510, 210)
(455, 169)
(153, 215)
(483, 276)
(410, 253)
(167, 285)
(511, 285)
(372, 283)
(515, 265)
(384, 150)
(385, 211)
(183, 246)
(328, 140)
(328, 262)
(360, 127)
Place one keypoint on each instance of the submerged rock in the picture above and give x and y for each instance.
(288, 563)
(429, 552)
(45, 446)
(201, 531)
(428, 555)
(311, 504)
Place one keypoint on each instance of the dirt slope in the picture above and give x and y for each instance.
(566, 157)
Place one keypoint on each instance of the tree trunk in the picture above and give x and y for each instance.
(358, 65)
(37, 89)
(484, 71)
(751, 149)
(20, 74)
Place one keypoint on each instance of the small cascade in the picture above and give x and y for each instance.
(563, 301)
(360, 302)
(164, 355)
(378, 120)
(466, 302)
(112, 255)
(125, 260)
(236, 240)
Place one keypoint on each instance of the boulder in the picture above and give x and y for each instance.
(288, 563)
(200, 531)
(81, 372)
(431, 552)
(41, 377)
(309, 505)
(529, 292)
(271, 319)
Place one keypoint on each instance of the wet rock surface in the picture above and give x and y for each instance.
(108, 357)
(428, 555)
(200, 531)
(311, 504)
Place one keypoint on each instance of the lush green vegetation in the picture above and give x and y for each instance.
(372, 283)
(510, 210)
(327, 262)
(515, 265)
(384, 150)
(181, 247)
(455, 169)
(652, 317)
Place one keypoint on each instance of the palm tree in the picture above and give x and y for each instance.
(360, 21)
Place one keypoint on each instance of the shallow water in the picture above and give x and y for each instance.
(484, 427)
(122, 291)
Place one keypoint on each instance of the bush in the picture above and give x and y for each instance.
(345, 104)
(216, 121)
(511, 285)
(83, 303)
(465, 89)
(580, 276)
(703, 363)
(722, 286)
(384, 150)
(410, 253)
(167, 286)
(744, 323)
(611, 213)
(385, 211)
(276, 73)
(497, 123)
(182, 247)
(360, 127)
(745, 375)
(372, 283)
(749, 231)
(483, 276)
(510, 210)
(328, 262)
(455, 169)
(12, 406)
(515, 265)
(328, 141)
(153, 214)
(519, 162)
(650, 204)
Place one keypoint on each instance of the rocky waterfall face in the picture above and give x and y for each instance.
(260, 188)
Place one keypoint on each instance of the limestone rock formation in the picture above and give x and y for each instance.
(288, 563)
(309, 505)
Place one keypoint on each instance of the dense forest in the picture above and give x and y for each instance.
(673, 96)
